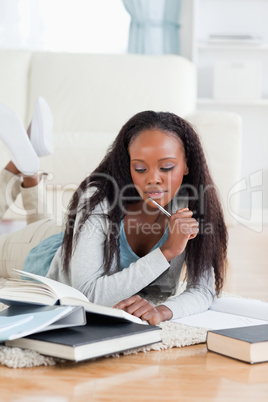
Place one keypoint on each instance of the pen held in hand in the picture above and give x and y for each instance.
(159, 207)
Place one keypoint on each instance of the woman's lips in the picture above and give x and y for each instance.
(155, 195)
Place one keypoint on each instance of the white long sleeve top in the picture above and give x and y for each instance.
(151, 276)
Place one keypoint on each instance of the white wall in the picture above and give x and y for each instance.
(93, 26)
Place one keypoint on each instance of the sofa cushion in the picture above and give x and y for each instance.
(100, 93)
(75, 156)
(221, 136)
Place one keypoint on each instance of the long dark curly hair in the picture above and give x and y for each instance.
(207, 250)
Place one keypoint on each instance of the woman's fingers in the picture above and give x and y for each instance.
(185, 226)
(133, 305)
(127, 302)
(184, 212)
(137, 306)
(182, 228)
(193, 235)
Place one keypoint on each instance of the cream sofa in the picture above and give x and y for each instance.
(92, 96)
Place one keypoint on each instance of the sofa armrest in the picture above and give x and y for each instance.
(221, 136)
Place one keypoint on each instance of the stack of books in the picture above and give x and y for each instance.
(57, 320)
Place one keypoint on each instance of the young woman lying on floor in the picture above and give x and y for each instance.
(118, 247)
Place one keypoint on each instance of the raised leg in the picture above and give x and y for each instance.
(20, 174)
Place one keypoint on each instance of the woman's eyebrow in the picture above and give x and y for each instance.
(159, 160)
(168, 157)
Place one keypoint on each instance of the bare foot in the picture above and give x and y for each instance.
(12, 168)
(28, 181)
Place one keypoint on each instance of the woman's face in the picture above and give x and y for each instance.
(157, 165)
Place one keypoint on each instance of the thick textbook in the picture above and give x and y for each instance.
(38, 290)
(229, 312)
(18, 321)
(249, 344)
(90, 341)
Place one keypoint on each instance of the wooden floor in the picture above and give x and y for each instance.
(179, 374)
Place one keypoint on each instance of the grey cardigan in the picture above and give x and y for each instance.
(152, 276)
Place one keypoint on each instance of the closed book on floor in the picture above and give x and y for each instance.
(90, 341)
(249, 344)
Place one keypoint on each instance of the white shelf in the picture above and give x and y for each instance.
(212, 102)
(230, 46)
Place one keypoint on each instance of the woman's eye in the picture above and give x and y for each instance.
(139, 170)
(167, 169)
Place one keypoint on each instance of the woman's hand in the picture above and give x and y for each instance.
(141, 308)
(182, 227)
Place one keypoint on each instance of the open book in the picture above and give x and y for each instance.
(39, 290)
(229, 312)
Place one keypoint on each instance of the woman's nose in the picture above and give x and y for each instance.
(154, 177)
